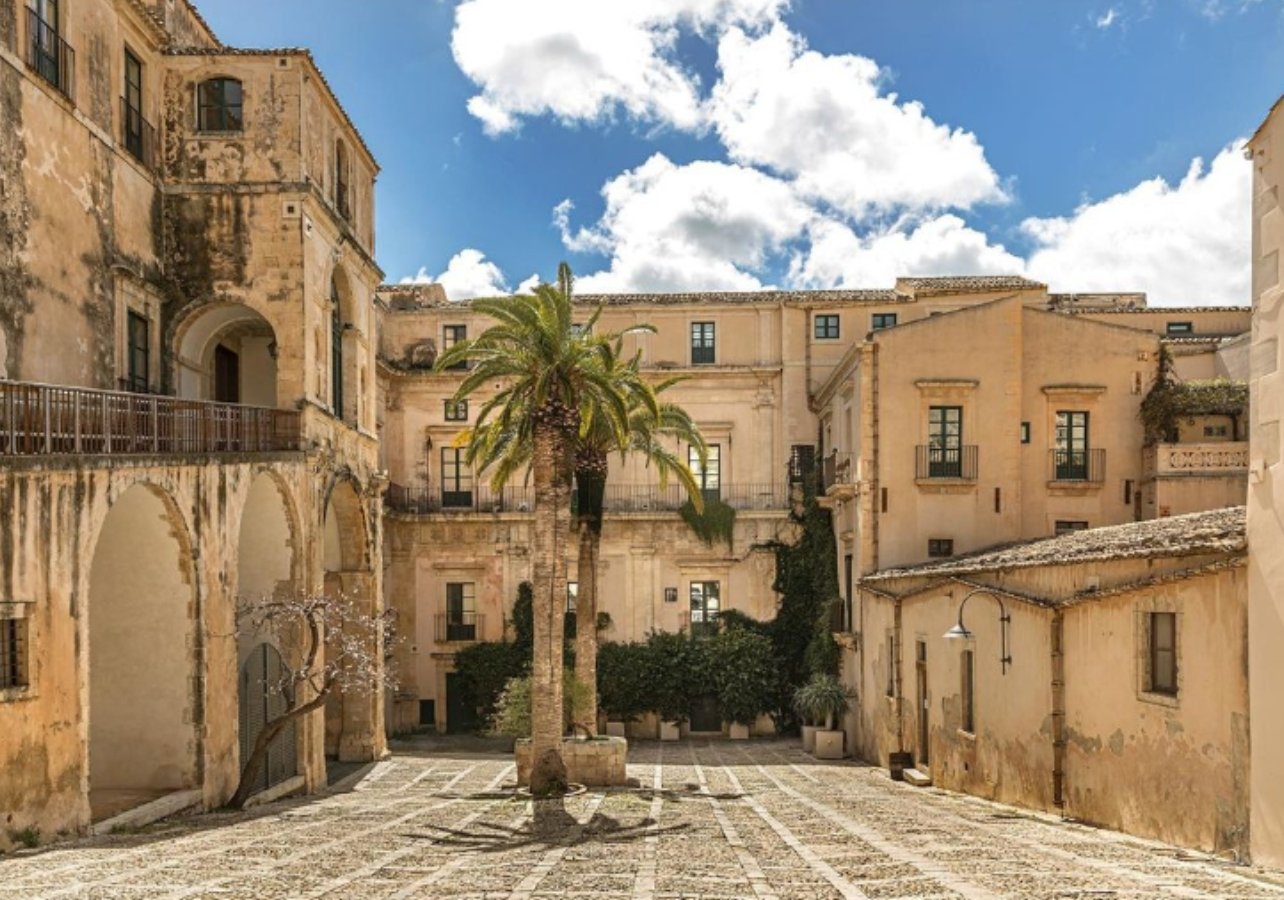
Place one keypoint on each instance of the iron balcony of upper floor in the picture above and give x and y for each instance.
(1086, 466)
(49, 56)
(45, 419)
(620, 498)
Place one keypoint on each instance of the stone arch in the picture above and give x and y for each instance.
(268, 567)
(143, 647)
(346, 536)
(227, 351)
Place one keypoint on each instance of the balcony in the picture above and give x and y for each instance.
(466, 628)
(837, 475)
(49, 56)
(1225, 458)
(1077, 466)
(945, 463)
(619, 498)
(138, 136)
(42, 419)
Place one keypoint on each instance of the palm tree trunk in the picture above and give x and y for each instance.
(591, 485)
(552, 526)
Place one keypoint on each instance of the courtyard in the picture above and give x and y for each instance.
(708, 819)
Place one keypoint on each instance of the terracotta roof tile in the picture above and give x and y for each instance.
(967, 284)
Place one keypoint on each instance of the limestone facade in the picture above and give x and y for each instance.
(1266, 489)
(187, 333)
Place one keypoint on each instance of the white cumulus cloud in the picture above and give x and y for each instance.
(469, 274)
(824, 121)
(700, 226)
(1185, 244)
(589, 60)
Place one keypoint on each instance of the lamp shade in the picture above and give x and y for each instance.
(958, 632)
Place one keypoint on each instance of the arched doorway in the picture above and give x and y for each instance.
(142, 649)
(266, 569)
(227, 352)
(350, 717)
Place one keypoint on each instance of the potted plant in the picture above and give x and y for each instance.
(744, 671)
(801, 702)
(824, 699)
(669, 659)
(623, 690)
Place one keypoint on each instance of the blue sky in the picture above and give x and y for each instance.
(812, 143)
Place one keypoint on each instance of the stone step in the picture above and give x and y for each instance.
(917, 778)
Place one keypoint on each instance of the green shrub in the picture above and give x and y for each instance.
(716, 521)
(744, 672)
(823, 699)
(524, 616)
(483, 670)
(512, 716)
(623, 680)
(675, 670)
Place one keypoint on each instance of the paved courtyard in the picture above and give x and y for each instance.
(710, 819)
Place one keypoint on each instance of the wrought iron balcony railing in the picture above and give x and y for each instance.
(835, 469)
(49, 56)
(958, 463)
(700, 624)
(619, 498)
(39, 419)
(1088, 465)
(466, 628)
(137, 134)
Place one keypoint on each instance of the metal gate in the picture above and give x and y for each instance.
(260, 702)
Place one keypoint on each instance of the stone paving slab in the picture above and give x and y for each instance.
(709, 819)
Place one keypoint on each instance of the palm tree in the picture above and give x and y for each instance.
(549, 371)
(649, 424)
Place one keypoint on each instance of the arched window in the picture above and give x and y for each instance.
(341, 200)
(218, 105)
(336, 351)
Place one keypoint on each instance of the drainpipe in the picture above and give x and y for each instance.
(1058, 711)
(874, 480)
(897, 681)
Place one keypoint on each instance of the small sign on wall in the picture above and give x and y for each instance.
(671, 595)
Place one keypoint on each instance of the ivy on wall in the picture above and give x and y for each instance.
(716, 522)
(1170, 401)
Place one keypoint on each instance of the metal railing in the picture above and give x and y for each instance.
(467, 628)
(619, 498)
(838, 616)
(835, 469)
(703, 624)
(1078, 465)
(49, 56)
(37, 419)
(959, 463)
(137, 134)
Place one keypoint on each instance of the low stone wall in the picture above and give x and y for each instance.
(597, 763)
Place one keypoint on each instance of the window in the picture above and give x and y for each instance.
(1065, 526)
(341, 180)
(456, 410)
(1216, 431)
(456, 479)
(139, 345)
(940, 547)
(336, 351)
(218, 105)
(1128, 490)
(572, 594)
(461, 611)
(1163, 653)
(1179, 328)
(702, 343)
(452, 335)
(1025, 432)
(968, 694)
(826, 328)
(706, 599)
(891, 665)
(132, 102)
(945, 442)
(879, 321)
(1071, 453)
(13, 654)
(49, 54)
(708, 475)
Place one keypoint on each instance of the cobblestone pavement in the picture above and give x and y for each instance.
(710, 820)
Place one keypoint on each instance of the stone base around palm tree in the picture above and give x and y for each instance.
(596, 762)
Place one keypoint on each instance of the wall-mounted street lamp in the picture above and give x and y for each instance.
(960, 632)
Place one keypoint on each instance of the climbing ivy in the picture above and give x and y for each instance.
(1171, 400)
(717, 520)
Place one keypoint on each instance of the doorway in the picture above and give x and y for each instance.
(920, 672)
(261, 701)
(227, 375)
(706, 714)
(461, 718)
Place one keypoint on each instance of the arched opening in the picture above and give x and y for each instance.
(336, 349)
(143, 728)
(342, 200)
(228, 352)
(349, 718)
(266, 569)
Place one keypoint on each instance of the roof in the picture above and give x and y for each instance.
(1215, 531)
(967, 284)
(196, 14)
(1157, 310)
(771, 297)
(1275, 107)
(282, 51)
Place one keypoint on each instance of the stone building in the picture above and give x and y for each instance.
(1101, 676)
(1265, 150)
(187, 332)
(771, 378)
